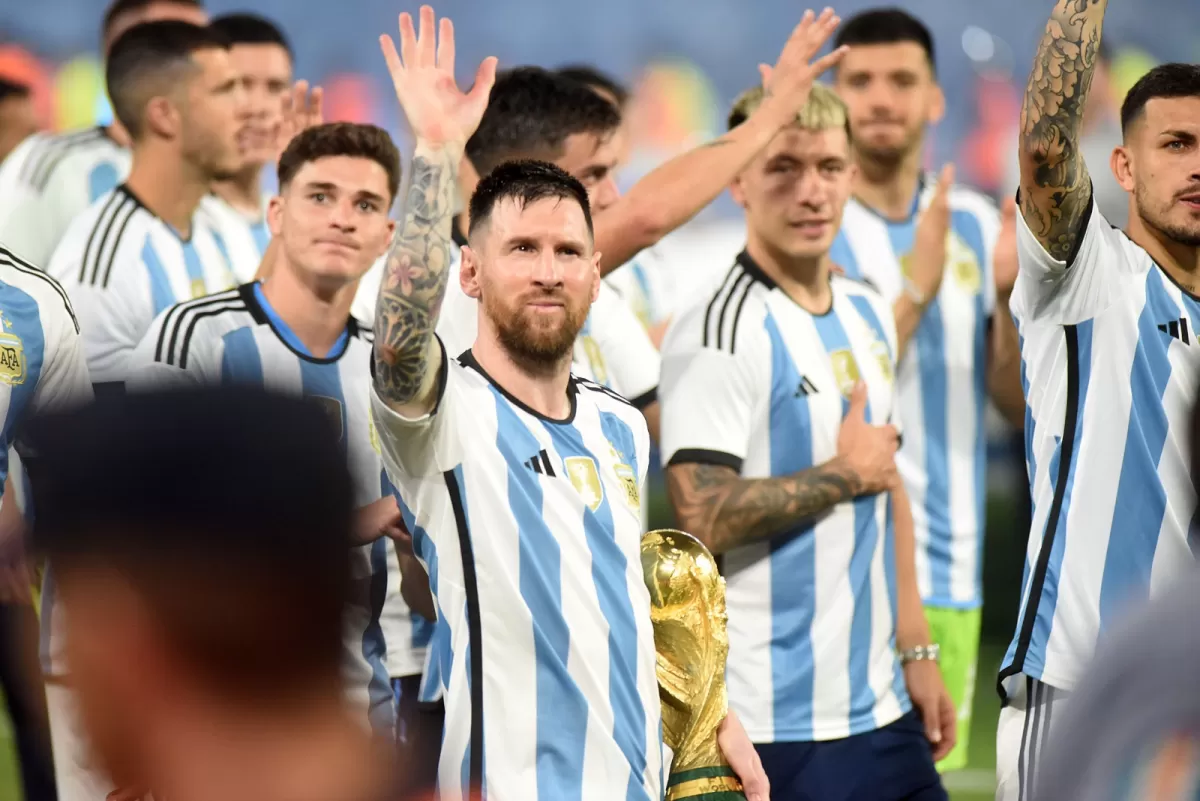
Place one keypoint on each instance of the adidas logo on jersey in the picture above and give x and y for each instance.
(540, 463)
(1176, 329)
(806, 387)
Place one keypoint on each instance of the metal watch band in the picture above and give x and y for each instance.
(920, 653)
(913, 293)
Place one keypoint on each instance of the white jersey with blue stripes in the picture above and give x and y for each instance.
(123, 266)
(754, 382)
(50, 179)
(530, 530)
(941, 383)
(236, 337)
(242, 238)
(1110, 366)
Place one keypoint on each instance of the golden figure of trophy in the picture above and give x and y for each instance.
(687, 605)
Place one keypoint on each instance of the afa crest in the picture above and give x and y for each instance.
(963, 265)
(629, 481)
(845, 370)
(12, 356)
(879, 350)
(586, 480)
(198, 288)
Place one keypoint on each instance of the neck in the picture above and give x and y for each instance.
(316, 311)
(1180, 261)
(310, 752)
(116, 132)
(168, 185)
(888, 187)
(541, 387)
(243, 191)
(804, 279)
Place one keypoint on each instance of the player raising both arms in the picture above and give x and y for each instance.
(1108, 322)
(507, 465)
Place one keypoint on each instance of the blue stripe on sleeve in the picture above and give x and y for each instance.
(161, 294)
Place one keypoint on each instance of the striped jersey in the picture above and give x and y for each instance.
(242, 239)
(754, 382)
(530, 531)
(236, 337)
(50, 179)
(1110, 365)
(123, 266)
(941, 381)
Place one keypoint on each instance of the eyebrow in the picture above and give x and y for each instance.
(1179, 134)
(327, 186)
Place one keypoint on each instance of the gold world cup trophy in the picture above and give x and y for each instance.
(687, 605)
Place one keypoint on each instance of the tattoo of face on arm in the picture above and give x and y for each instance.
(725, 510)
(1055, 186)
(414, 282)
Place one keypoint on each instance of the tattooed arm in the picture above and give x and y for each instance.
(675, 192)
(414, 283)
(1056, 190)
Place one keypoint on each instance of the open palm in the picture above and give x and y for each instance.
(423, 75)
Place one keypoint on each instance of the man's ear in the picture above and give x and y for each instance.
(468, 273)
(275, 215)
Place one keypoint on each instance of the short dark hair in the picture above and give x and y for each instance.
(229, 512)
(597, 80)
(251, 29)
(526, 182)
(150, 58)
(531, 112)
(886, 26)
(12, 90)
(342, 139)
(119, 8)
(1165, 80)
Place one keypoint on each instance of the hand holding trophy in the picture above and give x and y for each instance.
(687, 607)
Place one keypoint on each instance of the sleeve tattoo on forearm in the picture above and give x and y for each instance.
(726, 510)
(414, 281)
(1056, 194)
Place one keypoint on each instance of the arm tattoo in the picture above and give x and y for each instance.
(1055, 187)
(725, 510)
(414, 281)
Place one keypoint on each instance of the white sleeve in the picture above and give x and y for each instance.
(23, 228)
(631, 358)
(64, 383)
(711, 399)
(113, 316)
(426, 445)
(1080, 288)
(146, 371)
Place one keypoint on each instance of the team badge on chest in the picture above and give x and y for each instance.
(12, 355)
(586, 480)
(845, 370)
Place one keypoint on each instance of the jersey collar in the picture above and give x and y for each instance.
(264, 314)
(468, 360)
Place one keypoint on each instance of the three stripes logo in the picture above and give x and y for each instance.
(540, 463)
(806, 387)
(1176, 329)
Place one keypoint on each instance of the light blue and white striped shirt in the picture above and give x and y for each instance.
(754, 382)
(530, 529)
(1110, 365)
(941, 384)
(236, 337)
(242, 239)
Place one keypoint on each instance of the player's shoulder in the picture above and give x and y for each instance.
(58, 153)
(112, 231)
(725, 316)
(49, 295)
(856, 287)
(605, 401)
(182, 326)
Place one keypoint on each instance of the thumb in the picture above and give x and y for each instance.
(933, 725)
(485, 77)
(858, 401)
(945, 181)
(764, 70)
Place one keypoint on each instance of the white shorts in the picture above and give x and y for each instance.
(74, 771)
(1026, 723)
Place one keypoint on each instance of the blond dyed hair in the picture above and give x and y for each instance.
(823, 111)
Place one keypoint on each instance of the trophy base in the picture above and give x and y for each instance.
(717, 783)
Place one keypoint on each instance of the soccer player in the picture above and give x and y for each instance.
(1107, 322)
(137, 250)
(42, 369)
(236, 210)
(930, 247)
(17, 120)
(611, 90)
(50, 179)
(205, 638)
(294, 333)
(509, 468)
(779, 432)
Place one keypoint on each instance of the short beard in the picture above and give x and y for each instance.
(537, 350)
(1184, 236)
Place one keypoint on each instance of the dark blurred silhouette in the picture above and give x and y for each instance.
(199, 542)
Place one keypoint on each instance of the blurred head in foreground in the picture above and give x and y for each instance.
(199, 545)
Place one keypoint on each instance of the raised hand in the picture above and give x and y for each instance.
(302, 109)
(1004, 258)
(926, 265)
(868, 450)
(438, 112)
(788, 83)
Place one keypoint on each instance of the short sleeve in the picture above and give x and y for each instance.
(1080, 287)
(426, 445)
(633, 362)
(147, 371)
(64, 382)
(23, 225)
(710, 399)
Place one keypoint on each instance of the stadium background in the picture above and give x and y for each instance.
(686, 60)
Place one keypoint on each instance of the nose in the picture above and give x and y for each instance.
(546, 270)
(605, 193)
(811, 190)
(342, 216)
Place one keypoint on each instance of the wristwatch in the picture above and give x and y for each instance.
(920, 653)
(914, 293)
